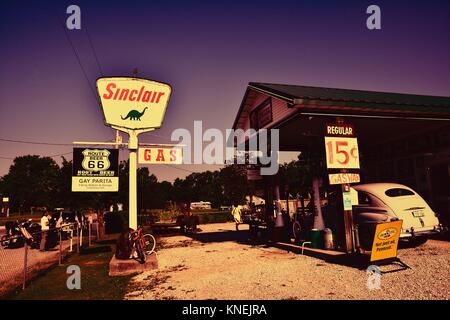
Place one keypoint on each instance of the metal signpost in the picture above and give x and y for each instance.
(341, 147)
(134, 106)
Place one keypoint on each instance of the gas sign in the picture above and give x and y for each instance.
(342, 153)
(155, 155)
(133, 103)
(343, 178)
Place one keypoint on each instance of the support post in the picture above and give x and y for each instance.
(25, 263)
(78, 239)
(89, 234)
(60, 247)
(318, 218)
(348, 224)
(132, 206)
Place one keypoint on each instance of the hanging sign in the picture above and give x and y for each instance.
(342, 178)
(133, 103)
(341, 147)
(154, 155)
(95, 170)
(342, 153)
(385, 241)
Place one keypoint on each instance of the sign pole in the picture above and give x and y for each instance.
(133, 105)
(132, 210)
(348, 221)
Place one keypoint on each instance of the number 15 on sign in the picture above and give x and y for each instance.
(342, 153)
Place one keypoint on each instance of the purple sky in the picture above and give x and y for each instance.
(208, 51)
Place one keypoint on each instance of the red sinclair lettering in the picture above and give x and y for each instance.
(114, 93)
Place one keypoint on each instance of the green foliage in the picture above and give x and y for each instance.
(31, 181)
(222, 187)
(216, 217)
(38, 181)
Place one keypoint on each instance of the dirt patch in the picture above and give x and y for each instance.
(224, 266)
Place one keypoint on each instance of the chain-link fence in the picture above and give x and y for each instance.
(24, 252)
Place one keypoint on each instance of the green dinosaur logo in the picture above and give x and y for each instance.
(134, 115)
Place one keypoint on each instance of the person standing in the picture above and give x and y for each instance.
(236, 213)
(45, 222)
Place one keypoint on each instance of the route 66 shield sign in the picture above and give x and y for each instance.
(95, 170)
(95, 160)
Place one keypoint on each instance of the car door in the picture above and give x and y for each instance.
(367, 214)
(369, 209)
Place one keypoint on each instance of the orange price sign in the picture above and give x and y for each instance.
(342, 153)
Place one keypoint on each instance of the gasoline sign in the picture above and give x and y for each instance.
(385, 241)
(154, 155)
(342, 178)
(342, 153)
(95, 170)
(133, 103)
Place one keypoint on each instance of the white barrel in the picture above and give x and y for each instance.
(328, 239)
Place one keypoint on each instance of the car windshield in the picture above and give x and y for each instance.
(398, 192)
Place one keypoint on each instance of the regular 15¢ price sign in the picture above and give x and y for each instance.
(342, 153)
(341, 147)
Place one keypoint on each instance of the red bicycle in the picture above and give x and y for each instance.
(143, 245)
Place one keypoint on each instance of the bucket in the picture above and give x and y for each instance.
(316, 238)
(328, 239)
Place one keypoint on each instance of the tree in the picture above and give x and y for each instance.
(31, 181)
(233, 180)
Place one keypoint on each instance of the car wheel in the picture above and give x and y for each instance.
(296, 231)
(418, 241)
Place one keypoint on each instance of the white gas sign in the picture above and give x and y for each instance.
(133, 103)
(154, 155)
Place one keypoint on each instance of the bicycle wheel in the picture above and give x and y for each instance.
(4, 241)
(140, 252)
(150, 244)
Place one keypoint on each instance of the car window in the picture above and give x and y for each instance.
(363, 198)
(398, 192)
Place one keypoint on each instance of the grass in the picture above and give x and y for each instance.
(96, 284)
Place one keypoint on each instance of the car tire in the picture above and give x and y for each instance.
(296, 231)
(418, 241)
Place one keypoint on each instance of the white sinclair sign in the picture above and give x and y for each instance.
(133, 103)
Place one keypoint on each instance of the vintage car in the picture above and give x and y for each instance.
(383, 202)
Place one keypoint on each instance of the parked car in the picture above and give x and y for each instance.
(384, 202)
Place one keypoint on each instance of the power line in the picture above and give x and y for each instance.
(35, 142)
(78, 59)
(93, 49)
(53, 156)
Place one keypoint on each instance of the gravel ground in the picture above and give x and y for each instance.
(220, 265)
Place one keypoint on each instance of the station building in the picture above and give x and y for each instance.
(402, 138)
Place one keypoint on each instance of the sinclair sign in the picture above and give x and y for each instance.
(133, 103)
